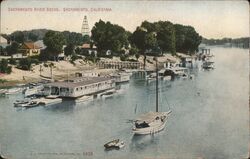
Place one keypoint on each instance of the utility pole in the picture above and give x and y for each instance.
(40, 70)
(51, 71)
(156, 84)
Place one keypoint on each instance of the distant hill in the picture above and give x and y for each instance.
(38, 34)
(27, 35)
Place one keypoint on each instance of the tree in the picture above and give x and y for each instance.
(17, 36)
(69, 49)
(187, 39)
(166, 36)
(137, 39)
(25, 63)
(86, 39)
(54, 42)
(1, 50)
(150, 40)
(153, 35)
(109, 36)
(74, 38)
(12, 49)
(150, 27)
(133, 50)
(137, 56)
(4, 68)
(33, 37)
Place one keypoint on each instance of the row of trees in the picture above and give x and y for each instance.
(29, 35)
(161, 36)
(157, 37)
(242, 42)
(107, 36)
(54, 41)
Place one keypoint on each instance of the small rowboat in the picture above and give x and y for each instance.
(20, 102)
(13, 91)
(30, 104)
(114, 144)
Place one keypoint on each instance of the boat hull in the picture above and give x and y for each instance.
(154, 127)
(150, 130)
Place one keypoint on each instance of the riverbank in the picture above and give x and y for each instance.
(64, 69)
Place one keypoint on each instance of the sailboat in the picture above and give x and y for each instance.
(151, 122)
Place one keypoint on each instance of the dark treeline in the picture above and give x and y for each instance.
(30, 35)
(161, 36)
(39, 34)
(238, 42)
(157, 37)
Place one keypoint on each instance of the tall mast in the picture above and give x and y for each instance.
(156, 84)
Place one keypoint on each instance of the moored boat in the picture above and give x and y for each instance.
(151, 122)
(13, 91)
(114, 144)
(37, 90)
(30, 104)
(208, 65)
(108, 94)
(84, 99)
(151, 77)
(18, 103)
(49, 100)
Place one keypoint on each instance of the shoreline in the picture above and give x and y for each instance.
(64, 69)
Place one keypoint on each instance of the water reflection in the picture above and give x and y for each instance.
(142, 142)
(65, 106)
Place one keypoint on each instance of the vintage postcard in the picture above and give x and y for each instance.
(116, 79)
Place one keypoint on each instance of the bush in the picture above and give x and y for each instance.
(25, 64)
(132, 60)
(74, 57)
(123, 57)
(44, 56)
(9, 70)
(12, 61)
(4, 68)
(35, 61)
(3, 80)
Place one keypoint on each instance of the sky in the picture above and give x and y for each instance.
(211, 19)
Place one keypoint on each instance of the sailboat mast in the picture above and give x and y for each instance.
(156, 84)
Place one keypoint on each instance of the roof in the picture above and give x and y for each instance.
(178, 68)
(168, 58)
(183, 55)
(86, 46)
(29, 45)
(79, 81)
(162, 71)
(150, 116)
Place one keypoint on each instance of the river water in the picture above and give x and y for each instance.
(210, 119)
